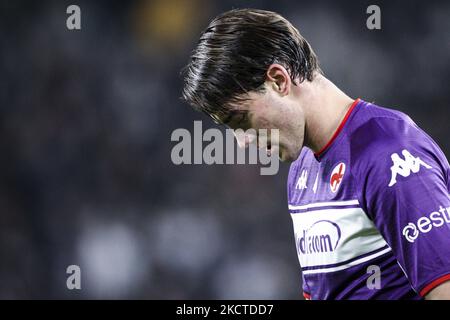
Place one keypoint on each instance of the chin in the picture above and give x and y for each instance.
(284, 156)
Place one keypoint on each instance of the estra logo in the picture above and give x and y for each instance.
(425, 224)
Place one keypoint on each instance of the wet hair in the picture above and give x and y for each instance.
(233, 55)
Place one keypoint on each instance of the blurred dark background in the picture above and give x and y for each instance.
(85, 124)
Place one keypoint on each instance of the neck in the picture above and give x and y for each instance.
(325, 108)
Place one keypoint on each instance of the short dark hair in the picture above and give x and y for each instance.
(234, 53)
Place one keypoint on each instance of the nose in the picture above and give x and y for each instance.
(244, 139)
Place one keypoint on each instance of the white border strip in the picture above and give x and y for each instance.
(324, 204)
(348, 265)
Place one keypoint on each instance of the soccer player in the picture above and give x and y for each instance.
(368, 190)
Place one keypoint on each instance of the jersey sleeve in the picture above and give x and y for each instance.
(403, 185)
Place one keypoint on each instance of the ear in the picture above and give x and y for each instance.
(279, 79)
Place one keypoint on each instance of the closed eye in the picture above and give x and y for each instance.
(238, 119)
(235, 119)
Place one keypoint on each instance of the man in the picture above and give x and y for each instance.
(368, 190)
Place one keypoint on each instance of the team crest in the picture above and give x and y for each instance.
(336, 177)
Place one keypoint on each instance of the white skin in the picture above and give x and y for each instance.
(306, 114)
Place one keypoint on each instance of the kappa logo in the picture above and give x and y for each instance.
(336, 177)
(301, 182)
(405, 166)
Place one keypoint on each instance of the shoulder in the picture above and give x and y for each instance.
(381, 129)
(384, 138)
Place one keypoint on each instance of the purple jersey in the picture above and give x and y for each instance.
(371, 211)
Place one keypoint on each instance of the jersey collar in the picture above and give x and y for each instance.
(338, 130)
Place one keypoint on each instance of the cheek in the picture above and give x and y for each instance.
(260, 121)
(268, 120)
